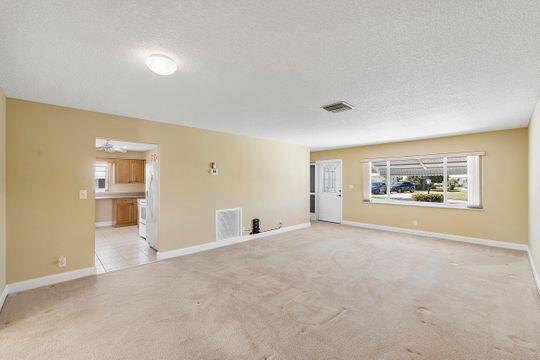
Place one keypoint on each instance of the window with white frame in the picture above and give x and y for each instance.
(452, 180)
(101, 176)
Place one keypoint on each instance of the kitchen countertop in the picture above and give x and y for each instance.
(130, 195)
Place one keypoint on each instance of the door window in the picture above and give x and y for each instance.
(329, 179)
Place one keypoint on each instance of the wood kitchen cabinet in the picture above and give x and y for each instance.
(128, 171)
(136, 171)
(125, 212)
(122, 171)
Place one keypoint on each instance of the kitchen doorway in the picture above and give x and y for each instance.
(126, 184)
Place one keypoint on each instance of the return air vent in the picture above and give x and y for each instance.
(338, 107)
(228, 223)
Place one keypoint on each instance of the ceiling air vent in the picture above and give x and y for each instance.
(338, 107)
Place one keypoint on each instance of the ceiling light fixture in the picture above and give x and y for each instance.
(161, 64)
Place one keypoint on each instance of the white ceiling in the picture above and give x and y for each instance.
(413, 69)
(129, 146)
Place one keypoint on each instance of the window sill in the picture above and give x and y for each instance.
(423, 204)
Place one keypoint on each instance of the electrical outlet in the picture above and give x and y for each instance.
(351, 187)
(83, 194)
(415, 222)
(62, 261)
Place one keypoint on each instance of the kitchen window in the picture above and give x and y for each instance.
(101, 176)
(446, 180)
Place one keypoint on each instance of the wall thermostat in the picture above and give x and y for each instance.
(213, 169)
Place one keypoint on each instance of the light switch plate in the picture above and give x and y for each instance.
(83, 195)
(351, 187)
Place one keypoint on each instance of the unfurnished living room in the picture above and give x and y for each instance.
(270, 179)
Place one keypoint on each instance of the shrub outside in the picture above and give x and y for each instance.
(439, 198)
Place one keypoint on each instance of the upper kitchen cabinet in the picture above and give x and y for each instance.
(136, 171)
(128, 171)
(122, 170)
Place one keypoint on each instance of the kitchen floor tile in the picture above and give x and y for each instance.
(119, 248)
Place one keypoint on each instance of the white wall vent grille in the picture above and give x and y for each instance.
(228, 223)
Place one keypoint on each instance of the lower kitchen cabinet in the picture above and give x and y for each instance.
(125, 212)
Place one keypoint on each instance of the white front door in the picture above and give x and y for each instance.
(329, 190)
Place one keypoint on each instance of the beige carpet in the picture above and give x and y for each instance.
(328, 292)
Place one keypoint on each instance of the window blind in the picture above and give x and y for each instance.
(366, 181)
(474, 169)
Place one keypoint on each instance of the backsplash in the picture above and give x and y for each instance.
(126, 188)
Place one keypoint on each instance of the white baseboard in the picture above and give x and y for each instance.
(471, 240)
(104, 223)
(161, 255)
(80, 273)
(467, 239)
(535, 274)
(49, 280)
(3, 296)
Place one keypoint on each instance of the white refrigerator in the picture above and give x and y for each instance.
(152, 200)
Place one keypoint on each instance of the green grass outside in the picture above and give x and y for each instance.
(457, 194)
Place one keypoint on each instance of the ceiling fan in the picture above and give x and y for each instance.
(110, 148)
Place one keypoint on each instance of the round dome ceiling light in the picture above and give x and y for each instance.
(161, 64)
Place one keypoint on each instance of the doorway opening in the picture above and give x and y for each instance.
(126, 179)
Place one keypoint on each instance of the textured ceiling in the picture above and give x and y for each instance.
(413, 69)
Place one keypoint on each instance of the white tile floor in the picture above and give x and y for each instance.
(119, 248)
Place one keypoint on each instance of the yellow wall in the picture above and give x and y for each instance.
(2, 191)
(505, 180)
(50, 156)
(534, 187)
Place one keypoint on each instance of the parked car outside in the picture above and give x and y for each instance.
(402, 186)
(378, 188)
